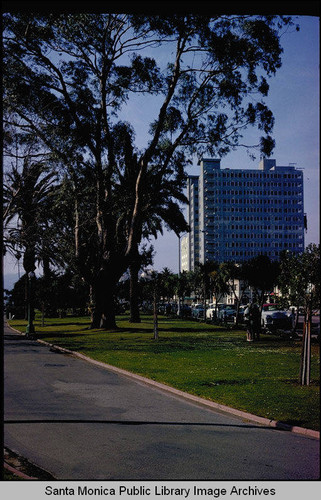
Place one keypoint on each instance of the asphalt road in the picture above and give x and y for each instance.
(80, 421)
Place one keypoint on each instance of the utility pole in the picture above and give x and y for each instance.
(179, 274)
(30, 329)
(155, 307)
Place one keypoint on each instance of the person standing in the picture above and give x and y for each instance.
(252, 318)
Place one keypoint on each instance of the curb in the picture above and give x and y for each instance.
(184, 395)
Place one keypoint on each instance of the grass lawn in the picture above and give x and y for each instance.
(205, 360)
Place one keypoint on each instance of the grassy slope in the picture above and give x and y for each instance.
(205, 360)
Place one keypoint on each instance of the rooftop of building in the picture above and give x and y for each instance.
(265, 165)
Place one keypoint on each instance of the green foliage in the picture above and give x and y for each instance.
(53, 294)
(261, 273)
(299, 278)
(184, 284)
(56, 294)
(210, 278)
(29, 197)
(68, 78)
(16, 303)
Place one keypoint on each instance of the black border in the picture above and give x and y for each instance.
(307, 7)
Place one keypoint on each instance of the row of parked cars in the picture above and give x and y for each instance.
(223, 312)
(273, 317)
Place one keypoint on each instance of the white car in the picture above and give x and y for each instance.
(213, 308)
(210, 310)
(274, 317)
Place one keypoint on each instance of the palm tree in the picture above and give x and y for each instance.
(28, 197)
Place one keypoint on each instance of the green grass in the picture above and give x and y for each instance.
(205, 360)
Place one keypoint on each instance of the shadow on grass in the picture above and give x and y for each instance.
(175, 329)
(69, 323)
(58, 335)
(131, 329)
(190, 330)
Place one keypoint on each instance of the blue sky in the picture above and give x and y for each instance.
(294, 101)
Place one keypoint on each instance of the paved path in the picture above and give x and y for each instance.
(80, 421)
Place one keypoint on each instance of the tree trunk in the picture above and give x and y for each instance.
(91, 303)
(108, 320)
(26, 298)
(95, 318)
(133, 294)
(29, 266)
(104, 287)
(305, 365)
(155, 315)
(103, 315)
(237, 312)
(204, 301)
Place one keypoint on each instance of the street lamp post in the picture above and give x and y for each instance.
(179, 274)
(30, 329)
(179, 270)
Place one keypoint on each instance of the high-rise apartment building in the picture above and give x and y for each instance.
(237, 214)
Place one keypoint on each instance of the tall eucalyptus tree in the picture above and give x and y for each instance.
(70, 78)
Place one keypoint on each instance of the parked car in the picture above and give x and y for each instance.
(227, 312)
(275, 318)
(197, 311)
(210, 310)
(213, 309)
(185, 311)
(241, 313)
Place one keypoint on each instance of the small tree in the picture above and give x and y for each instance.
(299, 282)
